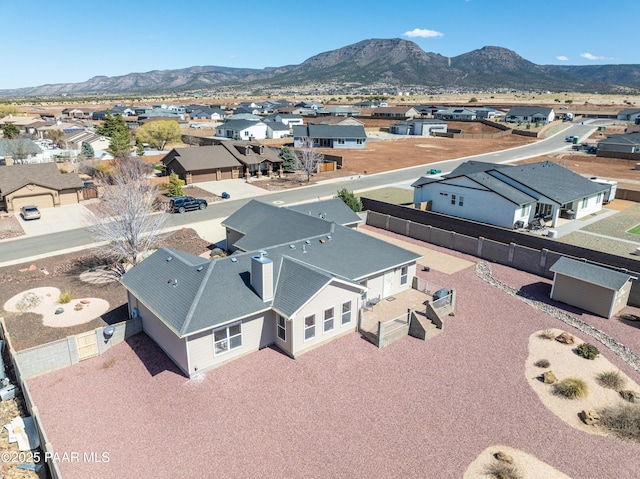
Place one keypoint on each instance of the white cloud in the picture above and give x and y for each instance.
(589, 56)
(422, 33)
(562, 58)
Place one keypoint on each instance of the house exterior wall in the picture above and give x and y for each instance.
(587, 296)
(384, 284)
(276, 134)
(478, 205)
(232, 237)
(172, 345)
(331, 296)
(593, 205)
(257, 332)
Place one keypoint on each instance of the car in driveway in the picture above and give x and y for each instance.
(180, 204)
(30, 212)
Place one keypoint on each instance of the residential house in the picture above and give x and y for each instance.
(293, 292)
(18, 151)
(76, 114)
(75, 140)
(337, 111)
(418, 127)
(164, 113)
(288, 119)
(331, 136)
(622, 143)
(629, 114)
(242, 130)
(487, 113)
(335, 120)
(39, 184)
(222, 161)
(396, 112)
(308, 105)
(510, 196)
(277, 129)
(530, 114)
(207, 113)
(594, 288)
(460, 114)
(243, 116)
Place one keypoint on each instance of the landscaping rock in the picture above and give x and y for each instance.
(59, 310)
(84, 301)
(78, 307)
(548, 377)
(504, 457)
(565, 338)
(630, 396)
(589, 417)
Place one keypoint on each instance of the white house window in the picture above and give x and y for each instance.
(404, 272)
(227, 338)
(346, 312)
(340, 141)
(309, 327)
(282, 328)
(328, 319)
(460, 200)
(584, 202)
(599, 200)
(359, 141)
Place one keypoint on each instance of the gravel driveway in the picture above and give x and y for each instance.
(413, 410)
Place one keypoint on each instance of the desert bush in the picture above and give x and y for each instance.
(571, 388)
(622, 421)
(611, 380)
(28, 301)
(502, 470)
(587, 351)
(547, 334)
(65, 297)
(542, 363)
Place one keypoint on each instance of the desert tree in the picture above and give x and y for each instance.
(159, 133)
(307, 158)
(10, 131)
(128, 226)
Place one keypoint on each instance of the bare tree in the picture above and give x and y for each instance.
(128, 225)
(307, 158)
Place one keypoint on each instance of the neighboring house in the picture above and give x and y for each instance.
(486, 113)
(596, 289)
(242, 130)
(295, 294)
(74, 140)
(418, 127)
(335, 120)
(222, 161)
(622, 143)
(462, 114)
(39, 184)
(331, 136)
(530, 114)
(207, 113)
(508, 196)
(164, 113)
(337, 111)
(243, 116)
(76, 114)
(629, 114)
(308, 105)
(288, 119)
(399, 112)
(277, 129)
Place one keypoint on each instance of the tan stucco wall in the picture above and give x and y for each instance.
(587, 296)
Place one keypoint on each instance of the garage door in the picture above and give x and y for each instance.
(41, 201)
(68, 198)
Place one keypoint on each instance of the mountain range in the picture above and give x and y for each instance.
(374, 64)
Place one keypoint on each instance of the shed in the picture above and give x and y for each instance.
(596, 289)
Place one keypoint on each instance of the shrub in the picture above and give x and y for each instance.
(175, 186)
(622, 421)
(571, 388)
(502, 470)
(611, 380)
(542, 363)
(547, 334)
(65, 297)
(587, 351)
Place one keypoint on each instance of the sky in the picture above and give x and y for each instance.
(69, 41)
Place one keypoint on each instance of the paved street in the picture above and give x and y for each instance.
(69, 234)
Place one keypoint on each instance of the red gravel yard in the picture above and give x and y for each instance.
(347, 410)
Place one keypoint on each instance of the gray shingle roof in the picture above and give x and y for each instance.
(221, 291)
(529, 111)
(329, 131)
(591, 273)
(501, 188)
(44, 174)
(622, 139)
(330, 210)
(201, 158)
(238, 125)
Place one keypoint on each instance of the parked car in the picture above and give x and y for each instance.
(180, 204)
(591, 149)
(30, 212)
